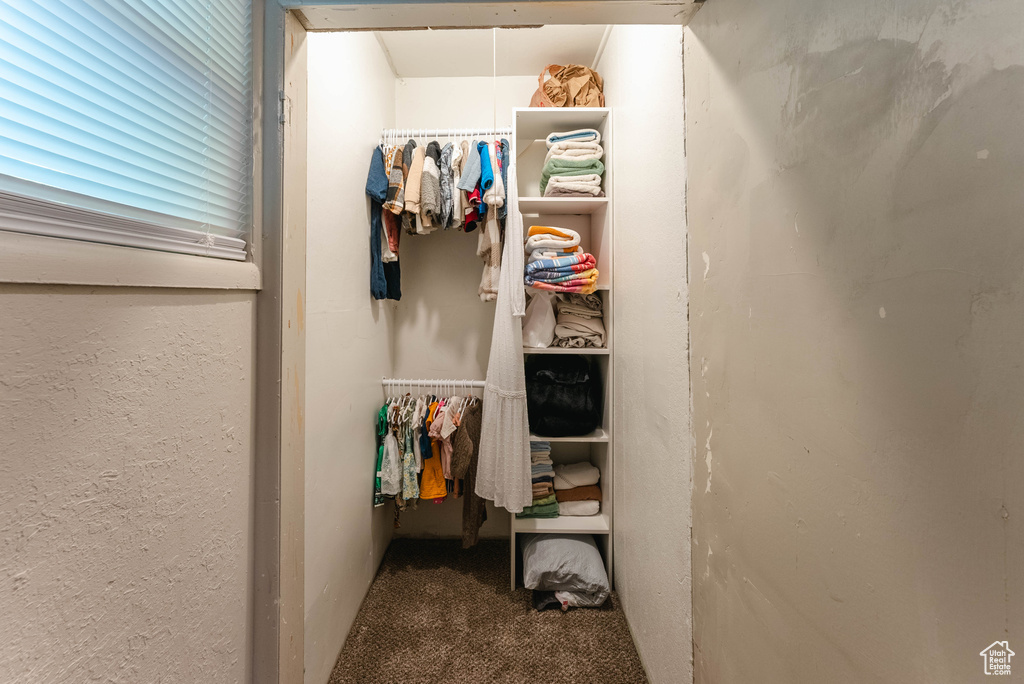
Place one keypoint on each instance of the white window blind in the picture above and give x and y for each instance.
(127, 122)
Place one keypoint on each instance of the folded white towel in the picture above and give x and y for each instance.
(548, 253)
(579, 135)
(587, 184)
(573, 190)
(548, 241)
(574, 150)
(579, 507)
(576, 475)
(587, 179)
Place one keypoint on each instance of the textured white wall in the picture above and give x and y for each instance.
(348, 339)
(442, 329)
(643, 71)
(855, 208)
(125, 485)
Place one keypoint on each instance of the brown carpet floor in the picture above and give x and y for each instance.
(438, 613)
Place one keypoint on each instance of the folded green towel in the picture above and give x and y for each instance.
(569, 167)
(549, 499)
(545, 511)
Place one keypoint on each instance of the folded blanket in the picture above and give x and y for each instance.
(558, 275)
(590, 329)
(574, 150)
(579, 508)
(567, 281)
(549, 237)
(579, 135)
(586, 493)
(576, 475)
(573, 263)
(548, 253)
(571, 343)
(561, 275)
(545, 511)
(586, 306)
(569, 167)
(562, 287)
(544, 500)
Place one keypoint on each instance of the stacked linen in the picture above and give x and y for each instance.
(576, 489)
(579, 322)
(542, 475)
(557, 263)
(573, 167)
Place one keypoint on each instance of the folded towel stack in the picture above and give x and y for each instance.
(573, 167)
(557, 263)
(576, 489)
(579, 322)
(542, 475)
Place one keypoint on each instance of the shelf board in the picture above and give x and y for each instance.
(598, 435)
(534, 123)
(561, 205)
(566, 524)
(566, 350)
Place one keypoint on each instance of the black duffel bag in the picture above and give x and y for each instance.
(563, 395)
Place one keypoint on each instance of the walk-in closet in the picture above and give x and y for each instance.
(409, 315)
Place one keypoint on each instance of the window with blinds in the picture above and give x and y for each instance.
(128, 122)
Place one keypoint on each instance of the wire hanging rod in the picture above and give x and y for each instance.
(442, 382)
(444, 132)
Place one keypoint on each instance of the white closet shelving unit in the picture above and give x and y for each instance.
(592, 219)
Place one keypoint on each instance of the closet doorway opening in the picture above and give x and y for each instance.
(340, 99)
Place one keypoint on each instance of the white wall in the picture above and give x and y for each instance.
(643, 72)
(442, 329)
(126, 468)
(857, 256)
(348, 340)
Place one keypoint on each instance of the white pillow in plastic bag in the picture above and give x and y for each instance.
(568, 564)
(539, 322)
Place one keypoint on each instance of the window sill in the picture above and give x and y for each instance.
(55, 261)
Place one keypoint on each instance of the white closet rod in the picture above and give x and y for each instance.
(399, 382)
(443, 132)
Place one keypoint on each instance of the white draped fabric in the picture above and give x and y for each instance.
(503, 474)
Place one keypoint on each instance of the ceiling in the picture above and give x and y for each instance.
(483, 52)
(354, 15)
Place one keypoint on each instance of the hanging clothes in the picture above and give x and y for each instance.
(385, 278)
(446, 185)
(430, 192)
(503, 474)
(432, 485)
(503, 161)
(465, 461)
